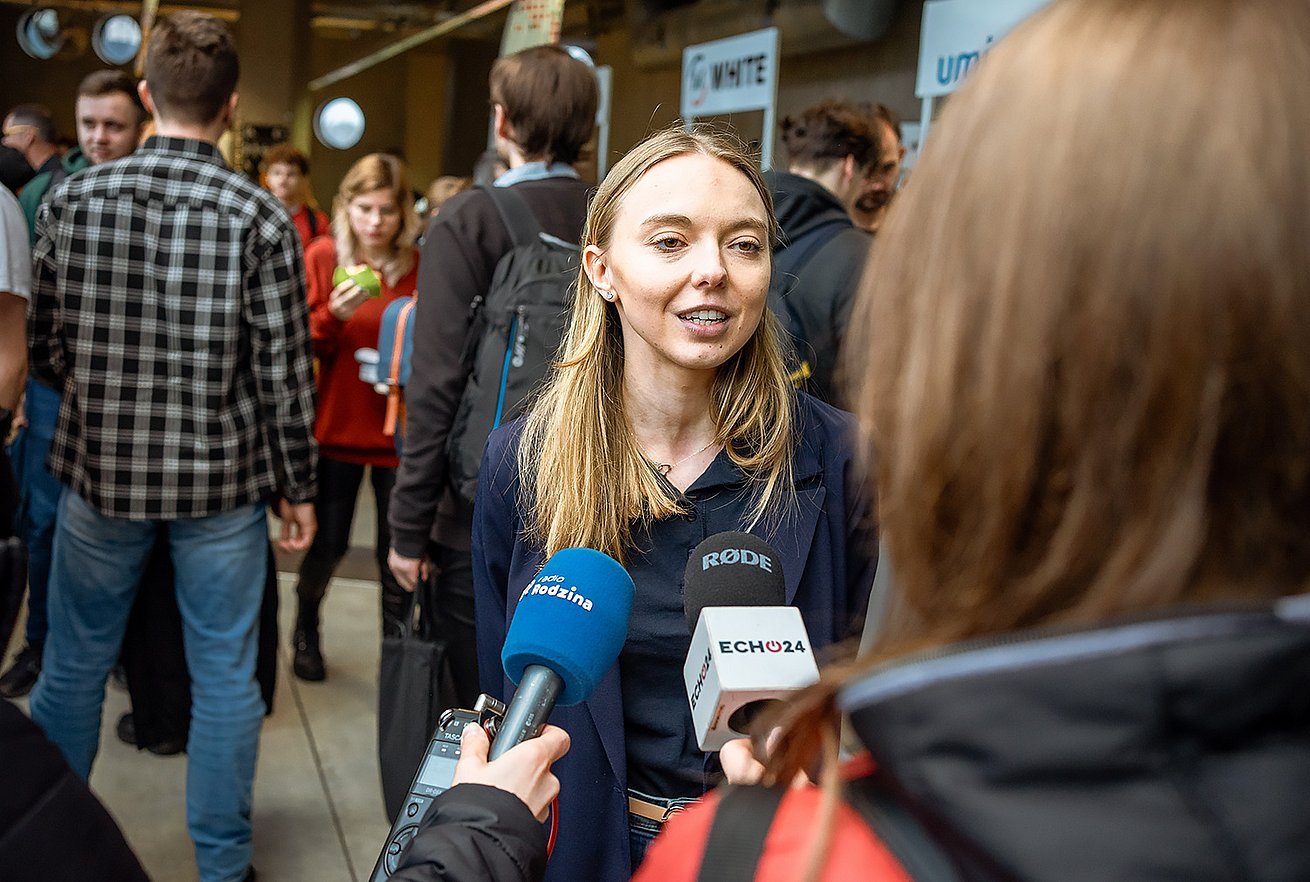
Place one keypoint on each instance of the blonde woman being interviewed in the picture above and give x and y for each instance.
(670, 418)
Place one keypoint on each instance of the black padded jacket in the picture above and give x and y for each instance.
(475, 833)
(1176, 748)
(52, 829)
(816, 272)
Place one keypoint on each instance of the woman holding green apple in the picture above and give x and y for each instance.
(369, 261)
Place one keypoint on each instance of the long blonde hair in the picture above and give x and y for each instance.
(377, 171)
(587, 480)
(1088, 315)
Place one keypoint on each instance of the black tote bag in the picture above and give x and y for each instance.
(415, 685)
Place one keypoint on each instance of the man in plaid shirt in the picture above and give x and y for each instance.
(168, 306)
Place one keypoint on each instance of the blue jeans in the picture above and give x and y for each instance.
(642, 830)
(220, 572)
(38, 498)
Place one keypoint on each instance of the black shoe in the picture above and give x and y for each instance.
(126, 731)
(21, 676)
(250, 875)
(308, 661)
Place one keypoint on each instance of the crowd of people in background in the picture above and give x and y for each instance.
(1082, 407)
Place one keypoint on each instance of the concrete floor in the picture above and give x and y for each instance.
(318, 801)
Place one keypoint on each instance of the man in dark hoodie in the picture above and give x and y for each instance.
(832, 148)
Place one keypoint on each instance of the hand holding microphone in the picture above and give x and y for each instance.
(523, 771)
(748, 650)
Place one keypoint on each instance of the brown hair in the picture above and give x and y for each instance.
(549, 99)
(1087, 321)
(377, 171)
(443, 188)
(191, 67)
(884, 115)
(112, 82)
(284, 154)
(587, 479)
(830, 131)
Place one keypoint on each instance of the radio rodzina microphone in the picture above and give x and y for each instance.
(570, 623)
(747, 648)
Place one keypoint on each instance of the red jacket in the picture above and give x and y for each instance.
(854, 852)
(350, 412)
(321, 227)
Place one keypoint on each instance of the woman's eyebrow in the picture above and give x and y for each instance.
(682, 221)
(666, 220)
(755, 225)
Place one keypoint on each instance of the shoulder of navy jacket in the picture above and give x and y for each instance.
(814, 435)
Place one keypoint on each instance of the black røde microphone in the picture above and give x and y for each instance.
(747, 648)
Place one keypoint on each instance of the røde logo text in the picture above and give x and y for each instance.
(730, 646)
(732, 556)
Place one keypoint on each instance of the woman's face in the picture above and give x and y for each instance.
(375, 218)
(688, 263)
(284, 182)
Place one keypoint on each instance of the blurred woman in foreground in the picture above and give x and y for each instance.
(1089, 394)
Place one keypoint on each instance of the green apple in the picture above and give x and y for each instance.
(362, 275)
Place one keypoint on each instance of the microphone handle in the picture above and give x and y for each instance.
(526, 715)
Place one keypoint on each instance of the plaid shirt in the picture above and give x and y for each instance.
(168, 304)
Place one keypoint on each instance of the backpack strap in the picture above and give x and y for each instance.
(395, 403)
(922, 857)
(736, 841)
(515, 214)
(797, 255)
(787, 266)
(313, 222)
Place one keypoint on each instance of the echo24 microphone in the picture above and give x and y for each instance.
(570, 624)
(567, 631)
(748, 649)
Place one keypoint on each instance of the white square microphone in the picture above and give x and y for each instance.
(740, 655)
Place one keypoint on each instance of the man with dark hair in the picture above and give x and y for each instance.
(832, 148)
(544, 110)
(109, 119)
(169, 306)
(30, 130)
(880, 186)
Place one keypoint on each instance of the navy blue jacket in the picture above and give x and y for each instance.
(828, 555)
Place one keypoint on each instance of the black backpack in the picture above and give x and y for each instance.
(513, 334)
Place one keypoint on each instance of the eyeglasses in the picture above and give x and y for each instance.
(18, 128)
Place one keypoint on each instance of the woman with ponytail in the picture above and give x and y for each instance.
(1083, 344)
(668, 418)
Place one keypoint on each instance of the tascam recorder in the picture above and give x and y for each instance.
(741, 657)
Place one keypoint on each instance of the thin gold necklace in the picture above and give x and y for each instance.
(665, 467)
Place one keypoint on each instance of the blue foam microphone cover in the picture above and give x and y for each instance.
(571, 618)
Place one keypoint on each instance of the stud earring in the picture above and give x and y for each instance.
(606, 294)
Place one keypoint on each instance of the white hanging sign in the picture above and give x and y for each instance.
(956, 34)
(733, 75)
